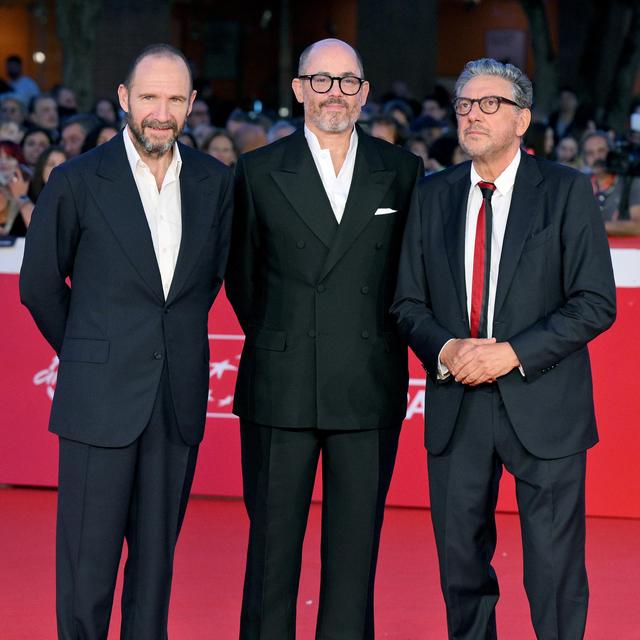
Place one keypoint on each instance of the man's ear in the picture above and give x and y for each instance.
(123, 98)
(296, 85)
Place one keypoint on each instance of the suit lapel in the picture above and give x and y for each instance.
(526, 205)
(454, 206)
(300, 182)
(117, 196)
(196, 220)
(371, 181)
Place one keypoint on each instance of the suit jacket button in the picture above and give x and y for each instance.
(379, 245)
(364, 290)
(311, 333)
(320, 288)
(365, 334)
(157, 355)
(300, 244)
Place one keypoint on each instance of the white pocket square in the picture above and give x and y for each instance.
(384, 212)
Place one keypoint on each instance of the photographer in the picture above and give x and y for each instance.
(617, 191)
(15, 206)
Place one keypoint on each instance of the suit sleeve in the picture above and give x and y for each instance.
(412, 303)
(590, 294)
(49, 255)
(240, 282)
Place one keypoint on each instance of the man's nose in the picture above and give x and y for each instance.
(161, 111)
(335, 89)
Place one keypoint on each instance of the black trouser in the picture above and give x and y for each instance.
(105, 495)
(463, 484)
(279, 468)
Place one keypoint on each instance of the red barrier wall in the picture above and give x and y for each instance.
(28, 454)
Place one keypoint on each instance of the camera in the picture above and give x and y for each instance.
(624, 159)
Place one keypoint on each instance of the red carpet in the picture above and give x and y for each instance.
(209, 566)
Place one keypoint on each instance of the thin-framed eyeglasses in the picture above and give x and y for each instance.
(487, 104)
(322, 83)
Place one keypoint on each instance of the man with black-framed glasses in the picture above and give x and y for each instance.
(316, 237)
(505, 276)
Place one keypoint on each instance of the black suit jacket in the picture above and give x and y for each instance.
(555, 292)
(313, 296)
(112, 328)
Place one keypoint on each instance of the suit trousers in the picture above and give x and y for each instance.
(279, 469)
(463, 484)
(106, 495)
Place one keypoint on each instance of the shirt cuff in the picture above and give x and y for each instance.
(443, 372)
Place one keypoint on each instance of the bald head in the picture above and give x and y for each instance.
(158, 51)
(323, 46)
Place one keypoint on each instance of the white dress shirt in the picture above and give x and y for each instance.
(500, 204)
(336, 186)
(163, 208)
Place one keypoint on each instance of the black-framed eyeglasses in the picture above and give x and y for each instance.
(322, 83)
(487, 104)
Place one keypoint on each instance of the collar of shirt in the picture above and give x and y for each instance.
(505, 181)
(336, 187)
(136, 162)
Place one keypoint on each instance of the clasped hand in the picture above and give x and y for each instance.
(474, 361)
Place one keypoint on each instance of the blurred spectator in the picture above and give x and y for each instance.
(15, 206)
(538, 140)
(435, 107)
(237, 118)
(220, 145)
(49, 159)
(567, 152)
(107, 111)
(201, 133)
(65, 98)
(35, 141)
(74, 132)
(562, 119)
(418, 146)
(199, 114)
(617, 195)
(441, 150)
(249, 137)
(280, 129)
(43, 112)
(11, 131)
(98, 135)
(386, 127)
(24, 86)
(399, 110)
(429, 128)
(188, 140)
(13, 109)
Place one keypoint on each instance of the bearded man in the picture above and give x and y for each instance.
(315, 246)
(140, 227)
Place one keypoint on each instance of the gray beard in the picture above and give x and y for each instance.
(153, 149)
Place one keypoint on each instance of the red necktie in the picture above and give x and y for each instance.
(482, 264)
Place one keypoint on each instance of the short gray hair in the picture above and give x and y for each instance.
(520, 83)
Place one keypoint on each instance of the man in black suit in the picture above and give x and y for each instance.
(140, 226)
(315, 244)
(505, 276)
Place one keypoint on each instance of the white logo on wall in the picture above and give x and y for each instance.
(222, 379)
(225, 352)
(48, 377)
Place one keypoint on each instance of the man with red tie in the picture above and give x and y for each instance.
(505, 276)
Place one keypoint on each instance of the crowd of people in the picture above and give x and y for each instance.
(39, 130)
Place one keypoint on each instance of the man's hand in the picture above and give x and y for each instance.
(476, 361)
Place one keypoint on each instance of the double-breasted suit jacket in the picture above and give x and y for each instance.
(312, 295)
(112, 328)
(555, 292)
